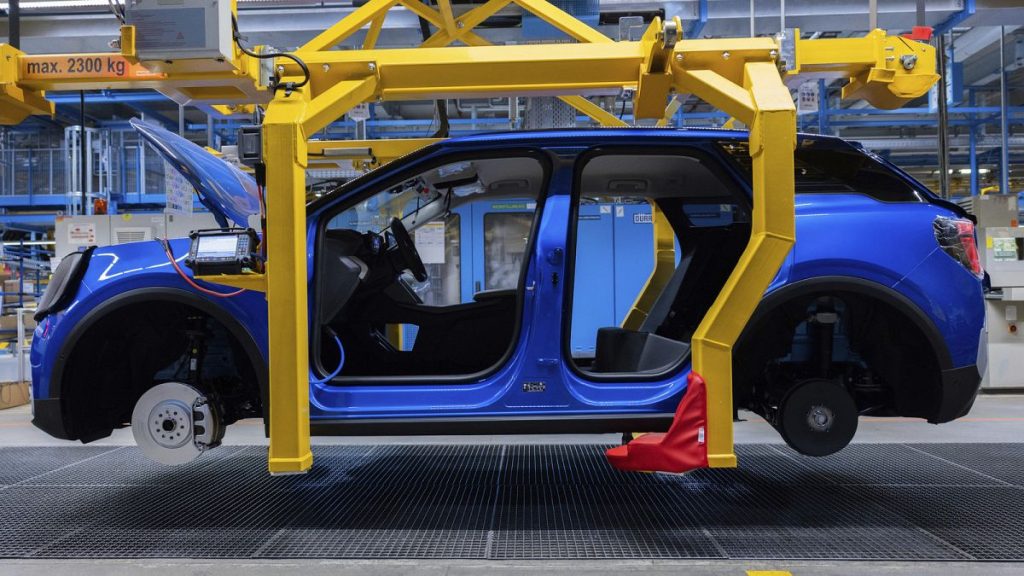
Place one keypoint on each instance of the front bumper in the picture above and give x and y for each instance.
(48, 416)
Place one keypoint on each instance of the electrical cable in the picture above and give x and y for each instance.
(341, 360)
(189, 280)
(288, 86)
(118, 9)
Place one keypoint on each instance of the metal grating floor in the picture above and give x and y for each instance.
(877, 502)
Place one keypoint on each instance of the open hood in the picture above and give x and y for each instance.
(224, 189)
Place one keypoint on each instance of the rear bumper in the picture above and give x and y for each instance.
(959, 389)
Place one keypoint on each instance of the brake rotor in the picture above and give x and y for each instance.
(818, 417)
(173, 423)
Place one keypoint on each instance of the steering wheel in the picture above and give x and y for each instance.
(407, 250)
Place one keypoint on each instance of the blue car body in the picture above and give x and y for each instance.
(854, 240)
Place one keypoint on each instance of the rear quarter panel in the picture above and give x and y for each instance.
(891, 244)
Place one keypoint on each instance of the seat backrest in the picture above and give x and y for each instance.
(663, 305)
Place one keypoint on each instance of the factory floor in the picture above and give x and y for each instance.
(994, 419)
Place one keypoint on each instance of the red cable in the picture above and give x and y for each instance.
(186, 278)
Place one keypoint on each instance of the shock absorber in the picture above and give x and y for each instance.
(195, 333)
(822, 324)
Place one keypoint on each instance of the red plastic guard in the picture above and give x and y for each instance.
(684, 447)
(919, 33)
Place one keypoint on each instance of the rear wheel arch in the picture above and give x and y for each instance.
(62, 385)
(765, 335)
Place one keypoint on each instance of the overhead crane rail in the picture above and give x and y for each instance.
(745, 77)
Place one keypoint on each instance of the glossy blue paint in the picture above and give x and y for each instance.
(845, 235)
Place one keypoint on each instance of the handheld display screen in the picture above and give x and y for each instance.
(217, 246)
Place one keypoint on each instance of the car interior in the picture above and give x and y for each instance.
(372, 280)
(710, 218)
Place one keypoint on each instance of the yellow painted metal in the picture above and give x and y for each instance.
(336, 101)
(445, 8)
(128, 43)
(464, 24)
(17, 102)
(884, 70)
(772, 141)
(327, 153)
(562, 20)
(344, 28)
(373, 33)
(254, 282)
(664, 267)
(670, 111)
(593, 111)
(284, 147)
(655, 74)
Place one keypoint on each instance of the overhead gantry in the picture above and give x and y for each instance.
(744, 77)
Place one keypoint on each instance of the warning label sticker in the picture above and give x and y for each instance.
(91, 66)
(82, 233)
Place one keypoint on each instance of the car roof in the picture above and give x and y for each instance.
(593, 136)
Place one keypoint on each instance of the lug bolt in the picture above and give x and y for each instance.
(280, 69)
(327, 67)
(679, 57)
(372, 66)
(773, 54)
(725, 55)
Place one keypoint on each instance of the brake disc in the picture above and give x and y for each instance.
(173, 423)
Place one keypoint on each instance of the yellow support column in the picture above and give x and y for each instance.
(772, 141)
(284, 150)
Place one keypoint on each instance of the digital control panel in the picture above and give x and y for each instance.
(223, 252)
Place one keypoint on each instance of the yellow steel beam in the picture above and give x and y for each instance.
(447, 16)
(435, 18)
(534, 69)
(464, 24)
(562, 20)
(326, 153)
(373, 33)
(347, 26)
(17, 102)
(593, 111)
(336, 101)
(670, 111)
(664, 267)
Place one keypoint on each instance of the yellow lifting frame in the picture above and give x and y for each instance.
(743, 77)
(761, 101)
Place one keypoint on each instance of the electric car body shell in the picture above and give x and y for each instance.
(884, 249)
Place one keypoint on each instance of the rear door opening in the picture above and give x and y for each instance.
(671, 226)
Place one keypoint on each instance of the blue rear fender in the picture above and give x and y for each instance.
(892, 245)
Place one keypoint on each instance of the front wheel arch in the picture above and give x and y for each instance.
(152, 296)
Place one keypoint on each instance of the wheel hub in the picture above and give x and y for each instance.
(171, 424)
(820, 418)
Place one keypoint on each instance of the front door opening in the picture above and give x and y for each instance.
(423, 278)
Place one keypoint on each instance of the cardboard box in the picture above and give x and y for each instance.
(10, 322)
(14, 394)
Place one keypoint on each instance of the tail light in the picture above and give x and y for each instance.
(956, 238)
